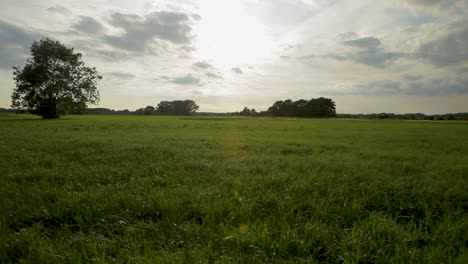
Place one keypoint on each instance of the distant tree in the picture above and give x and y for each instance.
(140, 111)
(165, 108)
(288, 108)
(186, 107)
(281, 108)
(451, 117)
(149, 110)
(299, 107)
(275, 109)
(320, 107)
(99, 111)
(177, 107)
(54, 81)
(4, 110)
(123, 112)
(245, 112)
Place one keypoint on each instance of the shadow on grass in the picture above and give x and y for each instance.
(19, 119)
(27, 118)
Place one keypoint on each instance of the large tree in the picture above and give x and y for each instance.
(54, 81)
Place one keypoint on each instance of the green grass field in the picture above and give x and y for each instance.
(138, 189)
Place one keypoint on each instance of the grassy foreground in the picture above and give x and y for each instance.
(224, 190)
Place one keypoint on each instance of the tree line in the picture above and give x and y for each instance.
(315, 107)
(177, 107)
(408, 116)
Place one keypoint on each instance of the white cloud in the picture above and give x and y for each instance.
(141, 31)
(202, 64)
(416, 87)
(122, 75)
(14, 42)
(59, 10)
(406, 49)
(450, 49)
(368, 42)
(187, 80)
(89, 25)
(237, 70)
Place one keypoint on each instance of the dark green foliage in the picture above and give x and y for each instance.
(177, 107)
(319, 107)
(166, 108)
(282, 108)
(246, 112)
(149, 110)
(54, 81)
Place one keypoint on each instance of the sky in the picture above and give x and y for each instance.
(400, 56)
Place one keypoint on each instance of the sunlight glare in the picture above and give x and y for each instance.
(228, 37)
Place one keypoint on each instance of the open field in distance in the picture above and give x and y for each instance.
(155, 189)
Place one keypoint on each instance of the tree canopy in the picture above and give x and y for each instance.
(319, 107)
(54, 81)
(177, 107)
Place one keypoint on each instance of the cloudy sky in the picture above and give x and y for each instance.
(368, 56)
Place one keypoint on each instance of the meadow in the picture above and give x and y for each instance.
(151, 189)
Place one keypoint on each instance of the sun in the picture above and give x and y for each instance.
(227, 36)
